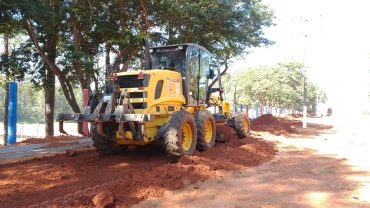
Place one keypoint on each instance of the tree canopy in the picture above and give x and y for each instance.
(66, 38)
(79, 31)
(276, 86)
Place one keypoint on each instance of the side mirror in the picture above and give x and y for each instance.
(210, 74)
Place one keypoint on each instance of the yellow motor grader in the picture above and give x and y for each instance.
(165, 104)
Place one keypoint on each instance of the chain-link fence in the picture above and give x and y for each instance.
(36, 130)
(31, 112)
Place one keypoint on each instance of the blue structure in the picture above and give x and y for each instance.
(12, 112)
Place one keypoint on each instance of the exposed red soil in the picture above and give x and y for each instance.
(281, 126)
(140, 173)
(55, 140)
(275, 126)
(264, 120)
(132, 177)
(296, 115)
(292, 116)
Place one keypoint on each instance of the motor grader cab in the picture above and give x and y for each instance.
(165, 103)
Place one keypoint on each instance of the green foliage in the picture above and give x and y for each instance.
(226, 28)
(15, 65)
(30, 106)
(81, 31)
(277, 86)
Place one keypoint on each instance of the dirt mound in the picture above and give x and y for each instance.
(276, 126)
(264, 120)
(273, 125)
(283, 126)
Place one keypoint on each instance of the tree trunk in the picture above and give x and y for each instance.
(96, 73)
(77, 63)
(127, 63)
(49, 87)
(64, 82)
(107, 61)
(6, 103)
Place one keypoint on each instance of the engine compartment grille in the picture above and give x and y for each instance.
(132, 81)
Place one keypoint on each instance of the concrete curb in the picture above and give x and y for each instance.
(28, 147)
(33, 149)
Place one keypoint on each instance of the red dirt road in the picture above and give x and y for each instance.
(136, 175)
(245, 172)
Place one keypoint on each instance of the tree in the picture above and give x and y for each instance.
(226, 28)
(277, 86)
(9, 62)
(65, 37)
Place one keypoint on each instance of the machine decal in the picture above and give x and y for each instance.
(177, 88)
(177, 85)
(169, 88)
(176, 80)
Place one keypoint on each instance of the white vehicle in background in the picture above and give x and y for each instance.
(323, 110)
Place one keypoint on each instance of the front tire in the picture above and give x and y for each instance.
(206, 130)
(103, 145)
(242, 125)
(180, 135)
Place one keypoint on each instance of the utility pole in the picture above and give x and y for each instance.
(305, 81)
(305, 101)
(235, 99)
(317, 102)
(6, 103)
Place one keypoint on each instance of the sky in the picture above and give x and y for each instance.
(332, 38)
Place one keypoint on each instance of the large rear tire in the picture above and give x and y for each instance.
(242, 125)
(180, 135)
(206, 130)
(103, 145)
